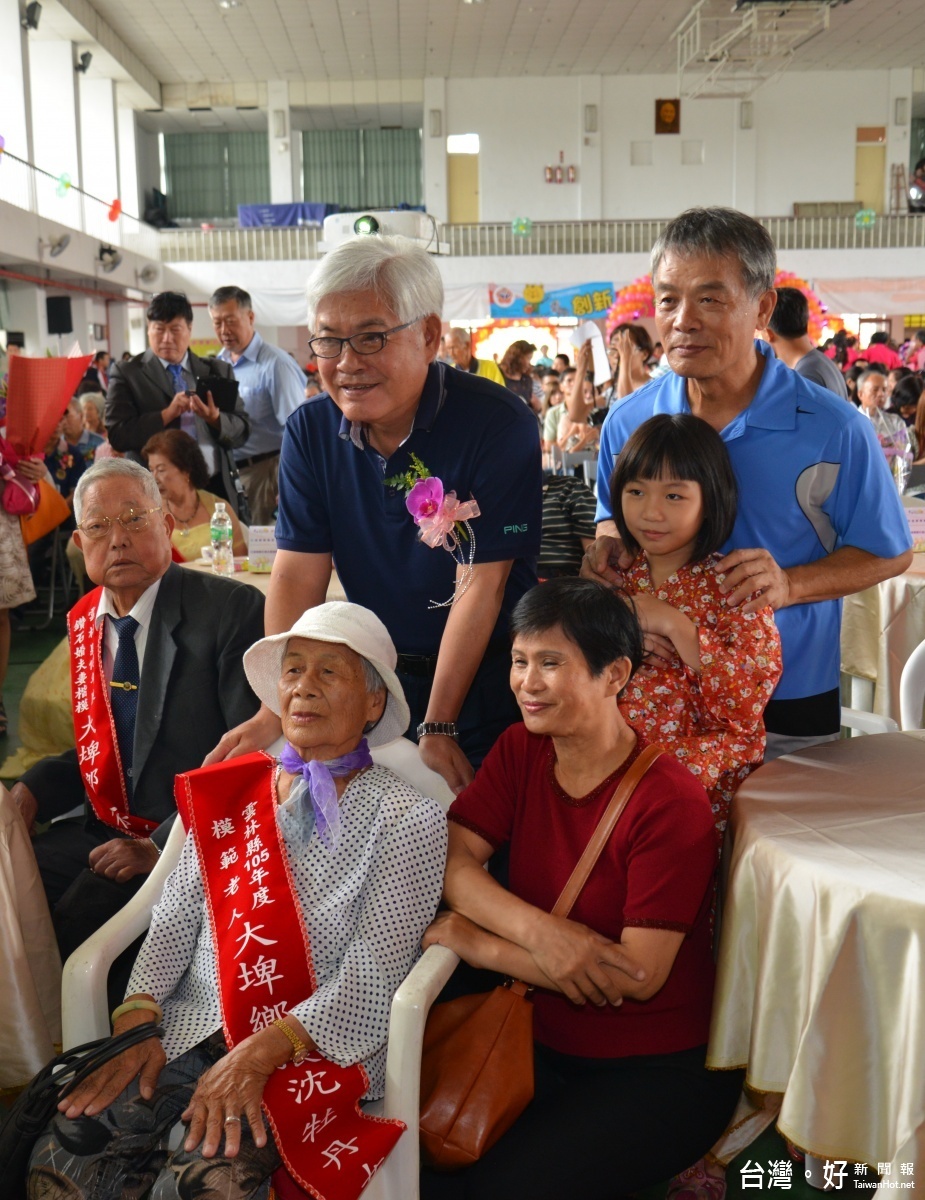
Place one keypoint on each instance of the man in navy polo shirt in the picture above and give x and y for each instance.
(374, 311)
(819, 516)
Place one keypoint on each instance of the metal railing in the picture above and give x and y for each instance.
(239, 245)
(545, 238)
(28, 187)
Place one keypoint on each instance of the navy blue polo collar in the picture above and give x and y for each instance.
(433, 397)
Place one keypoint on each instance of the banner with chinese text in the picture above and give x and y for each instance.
(533, 300)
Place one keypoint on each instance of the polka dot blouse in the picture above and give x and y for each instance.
(365, 907)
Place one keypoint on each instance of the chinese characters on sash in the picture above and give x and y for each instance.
(265, 970)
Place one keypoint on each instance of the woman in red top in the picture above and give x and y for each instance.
(624, 985)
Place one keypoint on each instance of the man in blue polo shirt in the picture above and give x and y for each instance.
(819, 516)
(349, 456)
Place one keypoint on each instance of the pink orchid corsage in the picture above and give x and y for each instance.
(443, 520)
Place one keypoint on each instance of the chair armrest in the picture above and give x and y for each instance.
(410, 1007)
(84, 1003)
(865, 722)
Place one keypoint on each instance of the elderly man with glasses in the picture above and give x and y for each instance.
(392, 417)
(156, 678)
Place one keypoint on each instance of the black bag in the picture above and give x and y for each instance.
(37, 1104)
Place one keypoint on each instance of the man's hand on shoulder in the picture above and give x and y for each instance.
(258, 733)
(124, 858)
(753, 573)
(443, 755)
(605, 561)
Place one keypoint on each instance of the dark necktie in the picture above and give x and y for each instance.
(123, 691)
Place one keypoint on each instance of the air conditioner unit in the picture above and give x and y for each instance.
(418, 227)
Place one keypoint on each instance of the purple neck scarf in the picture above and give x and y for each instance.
(318, 778)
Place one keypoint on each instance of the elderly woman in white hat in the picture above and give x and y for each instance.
(296, 909)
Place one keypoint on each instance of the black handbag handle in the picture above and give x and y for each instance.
(92, 1055)
(63, 1074)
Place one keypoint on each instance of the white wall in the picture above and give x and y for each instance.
(148, 161)
(99, 155)
(14, 76)
(806, 132)
(522, 125)
(802, 146)
(56, 143)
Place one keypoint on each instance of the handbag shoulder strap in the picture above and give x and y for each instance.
(605, 827)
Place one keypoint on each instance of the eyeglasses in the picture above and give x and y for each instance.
(361, 343)
(132, 521)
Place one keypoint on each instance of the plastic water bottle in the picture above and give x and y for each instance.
(222, 553)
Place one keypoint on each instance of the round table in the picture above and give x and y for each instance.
(820, 988)
(881, 626)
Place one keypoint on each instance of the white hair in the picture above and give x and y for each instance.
(401, 274)
(108, 468)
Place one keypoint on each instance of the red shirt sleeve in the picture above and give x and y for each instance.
(671, 851)
(488, 805)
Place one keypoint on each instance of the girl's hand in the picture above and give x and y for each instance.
(668, 633)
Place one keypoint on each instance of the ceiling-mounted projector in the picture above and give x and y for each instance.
(418, 227)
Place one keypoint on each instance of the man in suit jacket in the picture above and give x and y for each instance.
(192, 631)
(157, 390)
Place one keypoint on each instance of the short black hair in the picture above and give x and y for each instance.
(907, 391)
(790, 318)
(100, 355)
(680, 446)
(564, 357)
(879, 338)
(596, 619)
(223, 294)
(167, 306)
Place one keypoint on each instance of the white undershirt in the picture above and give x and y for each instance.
(144, 606)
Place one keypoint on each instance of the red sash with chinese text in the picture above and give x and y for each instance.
(94, 726)
(329, 1146)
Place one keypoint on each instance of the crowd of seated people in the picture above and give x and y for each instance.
(532, 701)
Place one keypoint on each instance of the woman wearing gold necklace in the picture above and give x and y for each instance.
(177, 465)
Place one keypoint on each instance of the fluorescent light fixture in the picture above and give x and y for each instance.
(590, 118)
(436, 122)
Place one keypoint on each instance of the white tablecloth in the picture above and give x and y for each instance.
(880, 628)
(821, 972)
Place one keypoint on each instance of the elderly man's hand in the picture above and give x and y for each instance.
(584, 965)
(605, 561)
(27, 804)
(258, 733)
(146, 1060)
(749, 572)
(443, 755)
(234, 1088)
(124, 858)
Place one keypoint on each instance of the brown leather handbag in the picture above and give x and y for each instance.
(477, 1062)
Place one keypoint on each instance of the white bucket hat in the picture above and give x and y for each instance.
(345, 625)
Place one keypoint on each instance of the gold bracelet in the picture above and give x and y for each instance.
(299, 1050)
(135, 1006)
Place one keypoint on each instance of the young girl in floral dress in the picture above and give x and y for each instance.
(710, 669)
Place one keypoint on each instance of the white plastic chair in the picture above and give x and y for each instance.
(85, 1010)
(866, 722)
(912, 689)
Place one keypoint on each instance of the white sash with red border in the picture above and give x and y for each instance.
(329, 1146)
(94, 726)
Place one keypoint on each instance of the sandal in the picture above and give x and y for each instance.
(698, 1183)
